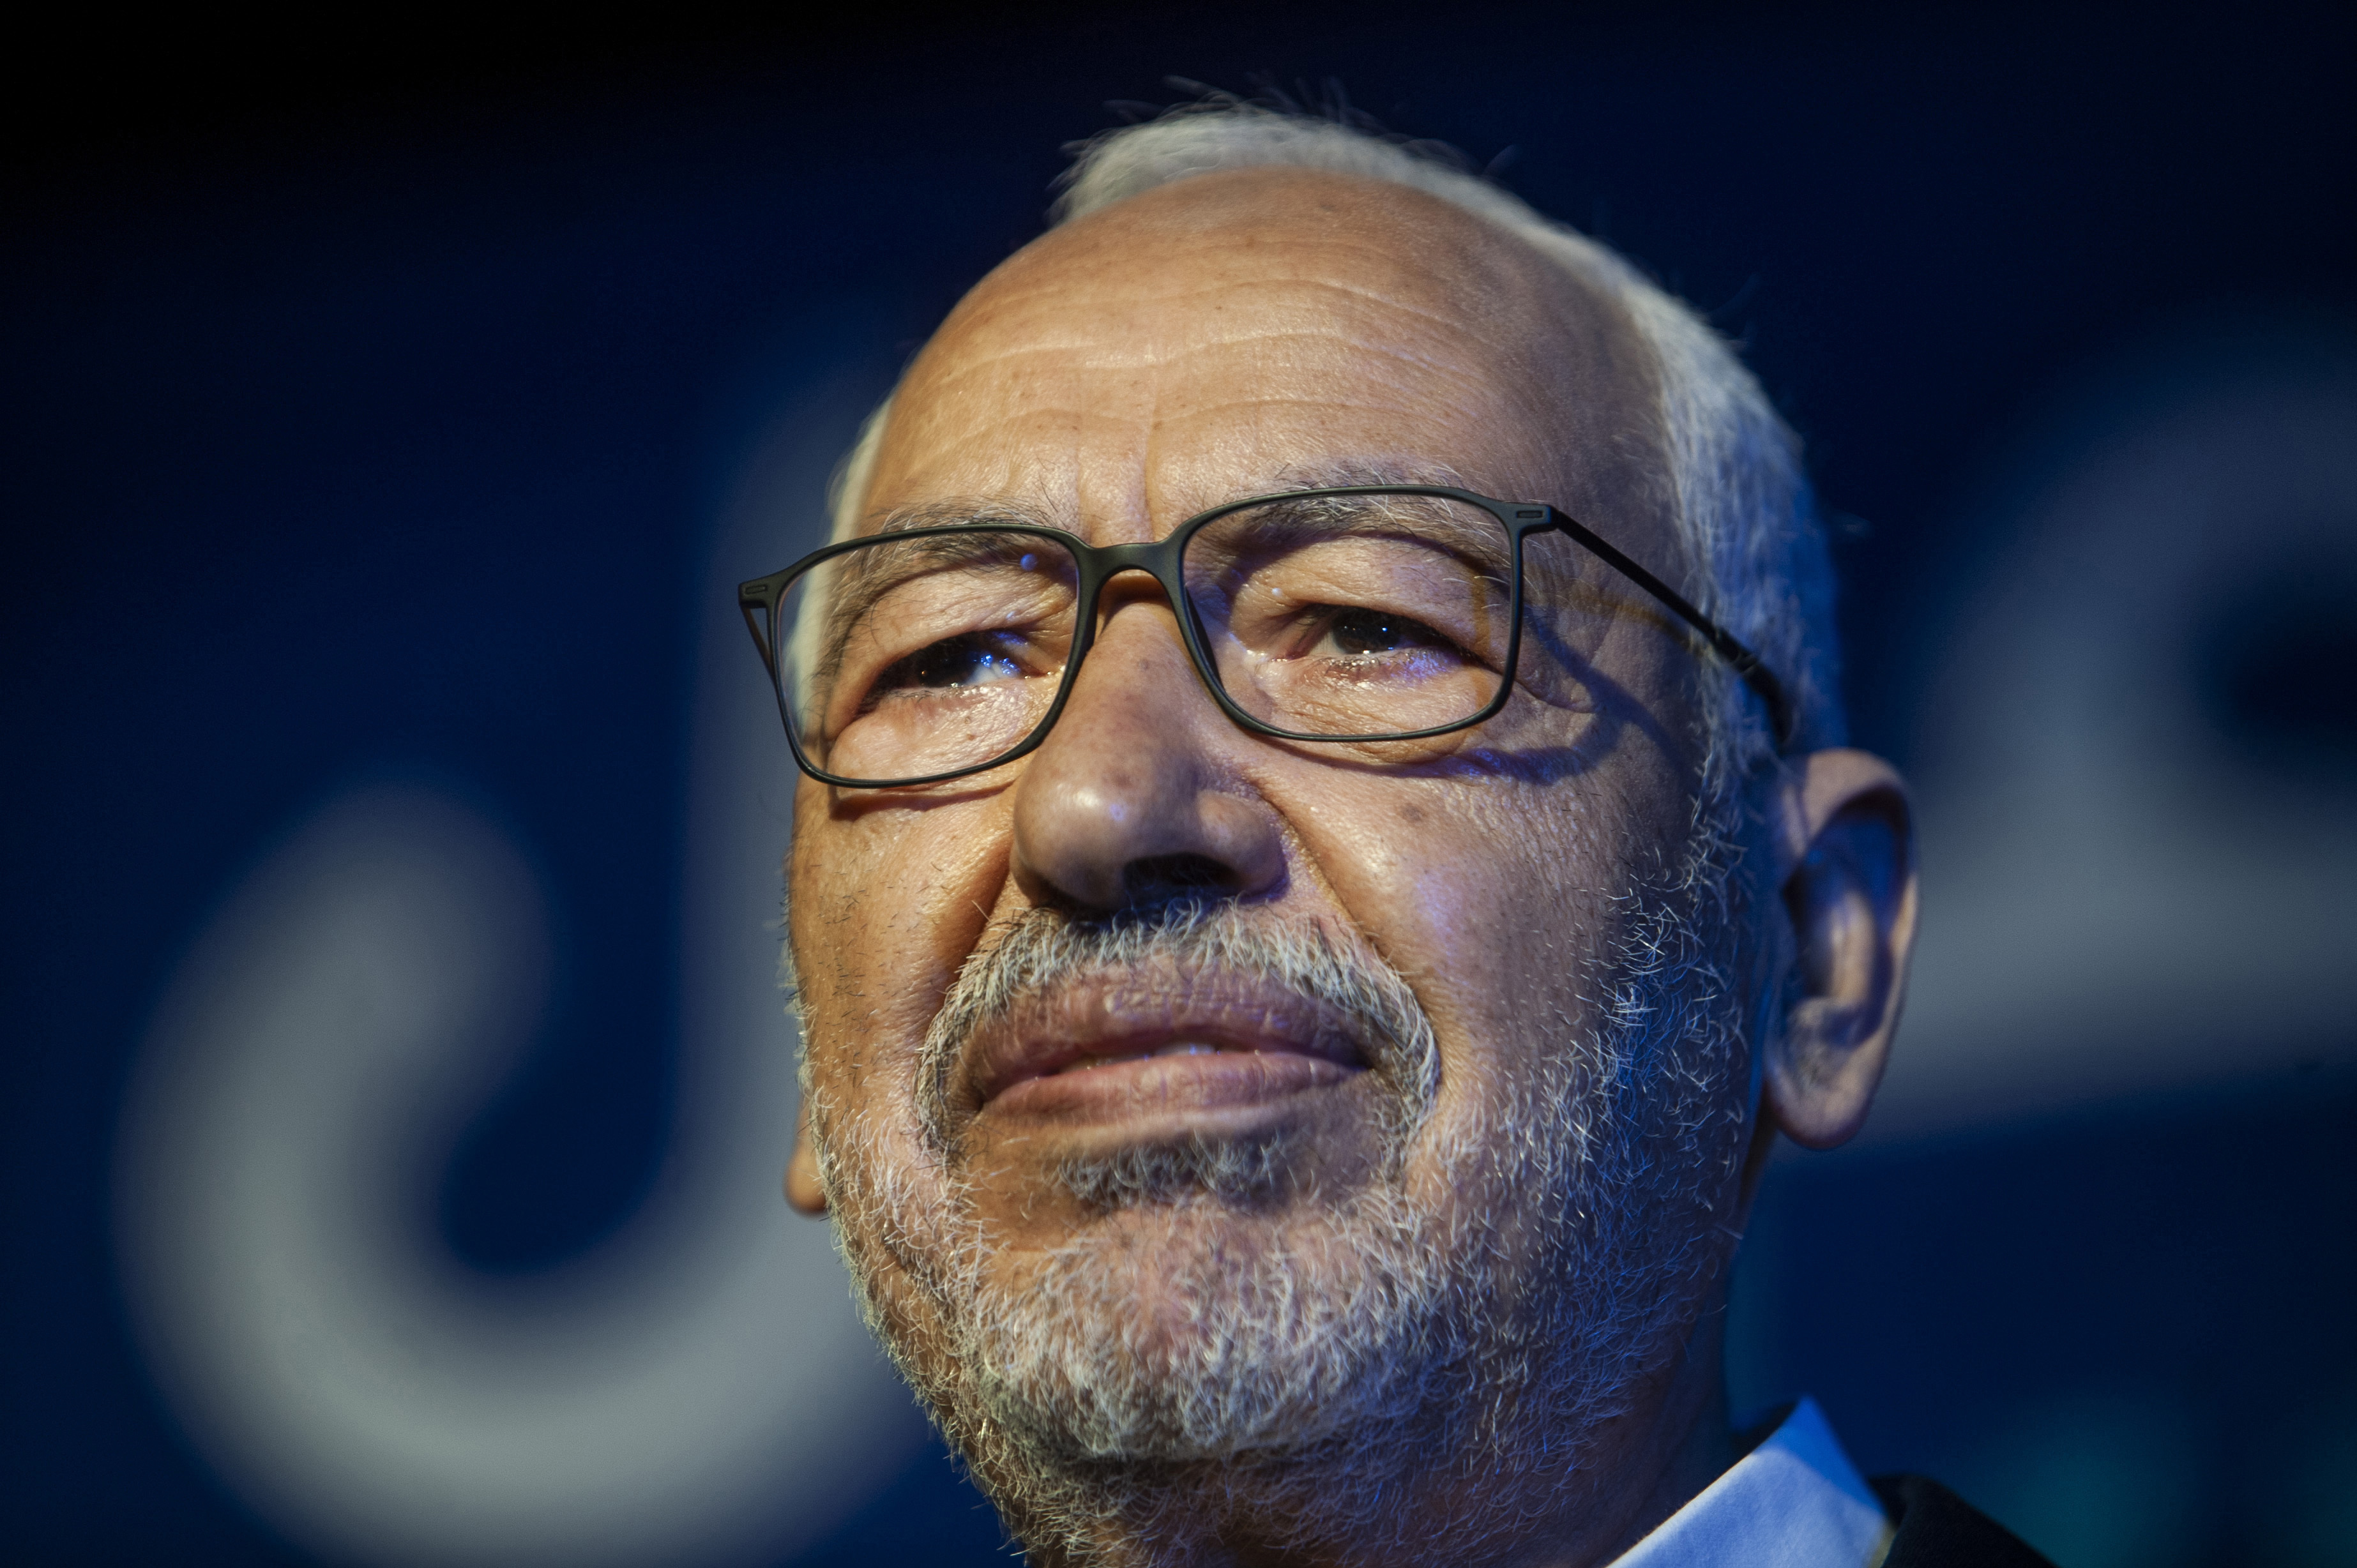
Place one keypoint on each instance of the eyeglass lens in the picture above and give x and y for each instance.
(1322, 616)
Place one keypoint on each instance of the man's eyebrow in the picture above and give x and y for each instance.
(1339, 472)
(969, 511)
(1476, 536)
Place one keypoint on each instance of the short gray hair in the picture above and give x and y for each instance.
(1746, 519)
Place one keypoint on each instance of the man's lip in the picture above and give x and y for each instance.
(1107, 1023)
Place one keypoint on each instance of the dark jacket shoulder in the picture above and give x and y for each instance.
(1937, 1529)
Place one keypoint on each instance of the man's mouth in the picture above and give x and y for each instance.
(1126, 1046)
(1174, 1048)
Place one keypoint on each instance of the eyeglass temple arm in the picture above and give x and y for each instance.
(754, 602)
(1746, 663)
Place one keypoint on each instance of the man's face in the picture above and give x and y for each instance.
(1107, 1168)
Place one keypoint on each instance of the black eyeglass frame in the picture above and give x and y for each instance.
(1100, 563)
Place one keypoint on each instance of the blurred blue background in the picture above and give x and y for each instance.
(387, 412)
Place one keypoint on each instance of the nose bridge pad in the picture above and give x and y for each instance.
(1123, 568)
(1173, 595)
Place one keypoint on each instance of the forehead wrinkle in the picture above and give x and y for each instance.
(1119, 352)
(1444, 316)
(1119, 345)
(1021, 428)
(1446, 362)
(1466, 354)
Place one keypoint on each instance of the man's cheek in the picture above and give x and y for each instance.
(938, 870)
(955, 878)
(1458, 890)
(895, 903)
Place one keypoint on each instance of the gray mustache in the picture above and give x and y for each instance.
(1042, 950)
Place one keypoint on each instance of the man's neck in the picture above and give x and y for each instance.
(1672, 1449)
(1710, 1447)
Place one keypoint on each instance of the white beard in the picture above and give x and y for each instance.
(1207, 1347)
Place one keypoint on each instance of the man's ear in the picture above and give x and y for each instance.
(1845, 857)
(803, 1187)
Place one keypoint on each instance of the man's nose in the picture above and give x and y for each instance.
(1134, 799)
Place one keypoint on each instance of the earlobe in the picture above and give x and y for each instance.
(1846, 852)
(804, 1188)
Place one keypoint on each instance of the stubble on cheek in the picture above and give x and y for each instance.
(881, 904)
(895, 1209)
(1521, 901)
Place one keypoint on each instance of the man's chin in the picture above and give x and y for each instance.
(1189, 1327)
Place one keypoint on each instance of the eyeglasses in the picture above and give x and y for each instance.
(1356, 614)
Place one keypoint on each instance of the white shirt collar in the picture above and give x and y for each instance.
(1795, 1501)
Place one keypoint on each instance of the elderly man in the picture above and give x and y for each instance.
(1327, 862)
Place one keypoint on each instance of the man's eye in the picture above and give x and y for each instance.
(968, 661)
(1358, 633)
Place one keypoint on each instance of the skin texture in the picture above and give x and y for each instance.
(1238, 333)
